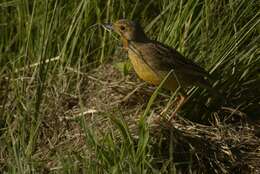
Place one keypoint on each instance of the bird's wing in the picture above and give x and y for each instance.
(172, 59)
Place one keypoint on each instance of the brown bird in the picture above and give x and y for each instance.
(152, 61)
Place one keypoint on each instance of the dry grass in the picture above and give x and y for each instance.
(66, 107)
(104, 93)
(216, 148)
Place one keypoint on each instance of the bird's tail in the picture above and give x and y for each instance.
(205, 83)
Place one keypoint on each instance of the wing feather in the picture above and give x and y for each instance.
(172, 59)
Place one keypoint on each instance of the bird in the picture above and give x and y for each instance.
(153, 61)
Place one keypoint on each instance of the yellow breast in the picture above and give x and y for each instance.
(143, 70)
(150, 74)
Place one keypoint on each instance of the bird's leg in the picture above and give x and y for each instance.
(181, 102)
(169, 104)
(159, 118)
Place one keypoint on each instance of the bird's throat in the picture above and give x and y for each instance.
(125, 44)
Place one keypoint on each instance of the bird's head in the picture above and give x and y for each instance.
(129, 30)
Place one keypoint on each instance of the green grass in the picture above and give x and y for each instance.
(41, 41)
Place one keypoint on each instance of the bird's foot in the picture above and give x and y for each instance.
(157, 120)
(162, 121)
(173, 116)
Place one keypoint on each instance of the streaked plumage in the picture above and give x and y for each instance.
(152, 60)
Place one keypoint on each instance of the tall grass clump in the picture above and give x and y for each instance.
(49, 48)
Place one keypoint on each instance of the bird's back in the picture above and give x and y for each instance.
(152, 61)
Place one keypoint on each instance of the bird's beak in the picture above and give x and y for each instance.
(108, 26)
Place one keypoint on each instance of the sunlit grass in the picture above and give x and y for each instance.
(41, 41)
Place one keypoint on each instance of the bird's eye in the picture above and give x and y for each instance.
(122, 28)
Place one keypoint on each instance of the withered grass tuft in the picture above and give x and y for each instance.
(70, 103)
